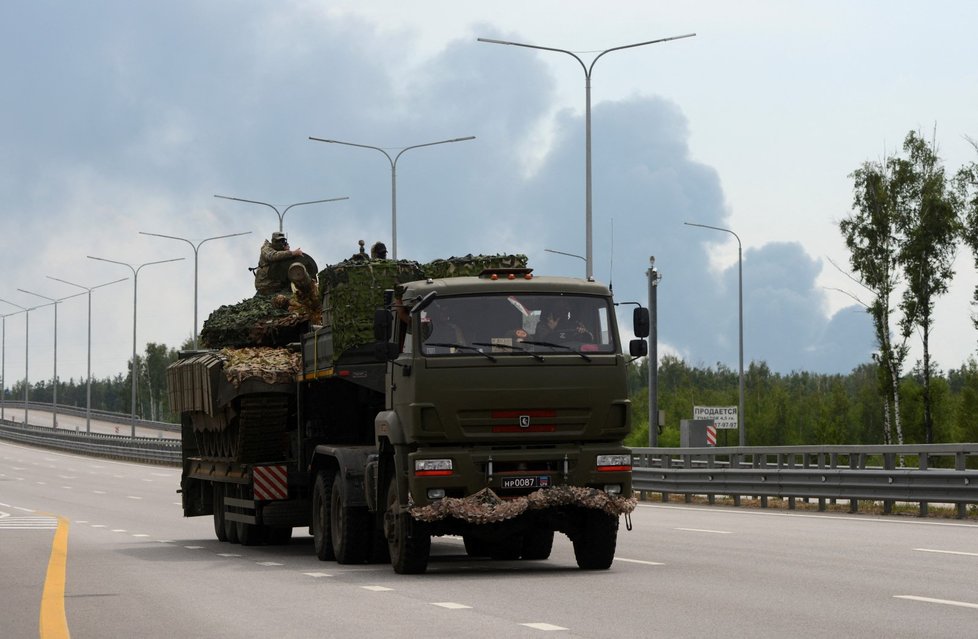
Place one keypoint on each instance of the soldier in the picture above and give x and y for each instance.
(306, 299)
(271, 276)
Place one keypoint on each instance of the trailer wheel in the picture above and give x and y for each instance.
(349, 527)
(230, 527)
(219, 529)
(408, 540)
(249, 534)
(594, 543)
(537, 544)
(320, 517)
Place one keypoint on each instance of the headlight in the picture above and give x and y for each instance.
(432, 467)
(608, 463)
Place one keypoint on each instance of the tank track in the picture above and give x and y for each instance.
(255, 432)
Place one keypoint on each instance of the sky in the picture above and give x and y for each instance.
(123, 117)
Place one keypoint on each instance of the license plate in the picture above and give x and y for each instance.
(526, 482)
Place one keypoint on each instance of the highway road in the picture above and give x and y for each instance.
(131, 565)
(78, 423)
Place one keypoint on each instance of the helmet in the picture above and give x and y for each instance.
(278, 238)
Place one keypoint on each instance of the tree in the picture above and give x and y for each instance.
(870, 234)
(966, 193)
(927, 220)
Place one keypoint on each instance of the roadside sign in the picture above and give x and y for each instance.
(722, 416)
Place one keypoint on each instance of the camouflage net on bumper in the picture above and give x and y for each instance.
(486, 507)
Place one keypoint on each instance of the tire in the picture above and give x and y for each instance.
(349, 527)
(219, 530)
(321, 537)
(537, 544)
(594, 544)
(249, 534)
(230, 528)
(408, 540)
(476, 547)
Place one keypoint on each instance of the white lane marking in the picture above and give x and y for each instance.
(98, 525)
(317, 575)
(639, 561)
(830, 517)
(141, 535)
(268, 563)
(450, 605)
(193, 547)
(376, 588)
(945, 602)
(28, 523)
(227, 554)
(543, 626)
(132, 497)
(100, 492)
(948, 552)
(119, 530)
(705, 530)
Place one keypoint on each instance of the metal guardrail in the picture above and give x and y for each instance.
(101, 415)
(138, 449)
(937, 473)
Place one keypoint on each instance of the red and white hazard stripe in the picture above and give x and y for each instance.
(270, 482)
(711, 435)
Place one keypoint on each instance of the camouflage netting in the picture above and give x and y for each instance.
(255, 321)
(471, 265)
(486, 507)
(271, 365)
(354, 288)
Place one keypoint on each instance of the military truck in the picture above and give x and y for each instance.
(423, 406)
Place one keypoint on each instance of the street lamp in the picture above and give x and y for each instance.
(3, 364)
(654, 278)
(88, 385)
(54, 397)
(587, 119)
(740, 298)
(393, 163)
(27, 350)
(196, 248)
(135, 285)
(580, 257)
(281, 214)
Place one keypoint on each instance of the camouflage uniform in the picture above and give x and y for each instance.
(271, 276)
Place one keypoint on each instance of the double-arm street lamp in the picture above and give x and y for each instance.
(54, 302)
(27, 350)
(393, 163)
(135, 287)
(281, 214)
(196, 248)
(88, 384)
(740, 298)
(588, 69)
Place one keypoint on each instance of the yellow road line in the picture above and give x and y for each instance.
(53, 622)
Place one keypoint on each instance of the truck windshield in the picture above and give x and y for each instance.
(517, 325)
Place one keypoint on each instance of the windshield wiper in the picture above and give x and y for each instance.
(512, 348)
(552, 345)
(463, 347)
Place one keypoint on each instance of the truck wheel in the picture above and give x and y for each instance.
(537, 544)
(594, 543)
(249, 534)
(476, 547)
(219, 531)
(320, 517)
(230, 528)
(349, 527)
(408, 541)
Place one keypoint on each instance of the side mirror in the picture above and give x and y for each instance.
(638, 348)
(640, 322)
(382, 325)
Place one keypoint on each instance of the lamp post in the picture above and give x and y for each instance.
(135, 287)
(740, 300)
(393, 163)
(654, 278)
(88, 384)
(3, 364)
(281, 214)
(54, 397)
(27, 350)
(580, 257)
(588, 69)
(196, 248)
